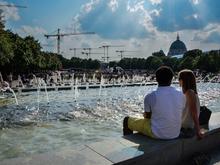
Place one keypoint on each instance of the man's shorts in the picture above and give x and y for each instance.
(141, 125)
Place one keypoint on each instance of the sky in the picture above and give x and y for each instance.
(137, 27)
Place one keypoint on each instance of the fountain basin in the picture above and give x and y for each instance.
(54, 88)
(75, 118)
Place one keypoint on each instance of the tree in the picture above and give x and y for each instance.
(187, 63)
(172, 62)
(23, 60)
(193, 53)
(153, 62)
(112, 63)
(6, 51)
(2, 26)
(159, 54)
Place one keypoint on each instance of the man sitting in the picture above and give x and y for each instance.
(162, 110)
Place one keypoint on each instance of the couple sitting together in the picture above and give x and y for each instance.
(167, 110)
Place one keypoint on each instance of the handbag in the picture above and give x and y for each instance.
(204, 115)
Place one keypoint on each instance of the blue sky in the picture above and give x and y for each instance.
(141, 25)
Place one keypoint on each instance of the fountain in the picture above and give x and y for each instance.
(95, 114)
(84, 78)
(94, 78)
(76, 92)
(38, 96)
(45, 89)
(102, 81)
(72, 79)
(1, 78)
(20, 83)
(4, 86)
(7, 87)
(123, 81)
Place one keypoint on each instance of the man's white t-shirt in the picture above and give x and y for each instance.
(166, 105)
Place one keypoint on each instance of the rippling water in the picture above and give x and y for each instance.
(64, 121)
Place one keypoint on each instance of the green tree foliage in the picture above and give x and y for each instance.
(193, 59)
(159, 54)
(171, 62)
(193, 53)
(6, 51)
(83, 63)
(190, 59)
(24, 55)
(112, 63)
(209, 62)
(187, 63)
(2, 26)
(153, 62)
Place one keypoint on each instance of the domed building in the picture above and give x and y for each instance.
(177, 47)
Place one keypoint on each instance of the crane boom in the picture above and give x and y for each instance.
(77, 33)
(9, 5)
(123, 51)
(62, 35)
(59, 35)
(74, 49)
(106, 47)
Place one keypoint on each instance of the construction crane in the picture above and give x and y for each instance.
(10, 5)
(106, 47)
(74, 49)
(88, 54)
(123, 51)
(84, 49)
(59, 35)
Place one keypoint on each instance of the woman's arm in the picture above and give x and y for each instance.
(191, 101)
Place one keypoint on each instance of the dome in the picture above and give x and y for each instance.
(177, 47)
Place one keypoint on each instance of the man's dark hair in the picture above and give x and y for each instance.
(164, 76)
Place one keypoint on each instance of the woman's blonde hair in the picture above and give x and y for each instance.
(189, 80)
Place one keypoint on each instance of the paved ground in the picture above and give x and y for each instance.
(212, 158)
(135, 149)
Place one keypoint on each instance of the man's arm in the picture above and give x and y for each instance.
(148, 102)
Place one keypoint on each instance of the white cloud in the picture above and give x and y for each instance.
(195, 2)
(146, 19)
(9, 13)
(136, 43)
(135, 6)
(155, 12)
(210, 34)
(36, 32)
(90, 5)
(113, 4)
(26, 30)
(196, 16)
(155, 2)
(154, 42)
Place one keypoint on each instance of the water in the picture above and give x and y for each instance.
(25, 129)
(7, 88)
